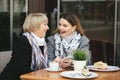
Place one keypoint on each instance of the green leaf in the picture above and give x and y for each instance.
(79, 55)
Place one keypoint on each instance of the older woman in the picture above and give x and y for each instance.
(68, 37)
(30, 51)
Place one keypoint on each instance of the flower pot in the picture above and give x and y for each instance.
(78, 65)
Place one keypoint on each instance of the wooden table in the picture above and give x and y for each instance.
(46, 75)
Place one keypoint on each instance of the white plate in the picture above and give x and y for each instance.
(78, 75)
(110, 68)
(48, 69)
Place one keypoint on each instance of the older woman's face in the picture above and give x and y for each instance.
(65, 28)
(41, 32)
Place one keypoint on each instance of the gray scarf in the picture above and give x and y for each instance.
(69, 46)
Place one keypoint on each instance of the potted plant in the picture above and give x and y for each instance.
(79, 59)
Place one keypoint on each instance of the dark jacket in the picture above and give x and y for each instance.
(20, 62)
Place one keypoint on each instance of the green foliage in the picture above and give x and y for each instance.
(79, 55)
(85, 67)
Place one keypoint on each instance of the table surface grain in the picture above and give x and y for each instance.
(47, 75)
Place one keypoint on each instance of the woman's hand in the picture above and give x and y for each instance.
(58, 59)
(66, 62)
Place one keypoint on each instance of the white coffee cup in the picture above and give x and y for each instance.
(54, 66)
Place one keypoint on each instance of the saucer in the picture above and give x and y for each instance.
(78, 75)
(48, 69)
(110, 68)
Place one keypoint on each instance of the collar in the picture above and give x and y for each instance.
(40, 41)
(70, 37)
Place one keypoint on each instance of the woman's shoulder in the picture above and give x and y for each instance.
(85, 38)
(50, 38)
(21, 41)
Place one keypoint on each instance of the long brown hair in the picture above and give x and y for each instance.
(73, 20)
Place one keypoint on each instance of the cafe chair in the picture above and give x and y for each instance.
(4, 59)
(101, 51)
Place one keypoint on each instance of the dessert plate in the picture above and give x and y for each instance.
(110, 68)
(48, 69)
(78, 75)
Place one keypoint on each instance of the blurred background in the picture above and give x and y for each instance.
(99, 18)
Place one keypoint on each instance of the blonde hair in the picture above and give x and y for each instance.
(34, 20)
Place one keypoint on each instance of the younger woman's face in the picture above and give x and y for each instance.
(65, 28)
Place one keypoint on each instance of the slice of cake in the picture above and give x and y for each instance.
(85, 71)
(100, 65)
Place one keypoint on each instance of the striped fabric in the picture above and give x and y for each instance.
(39, 60)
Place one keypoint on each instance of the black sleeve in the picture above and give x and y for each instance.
(20, 61)
(21, 56)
